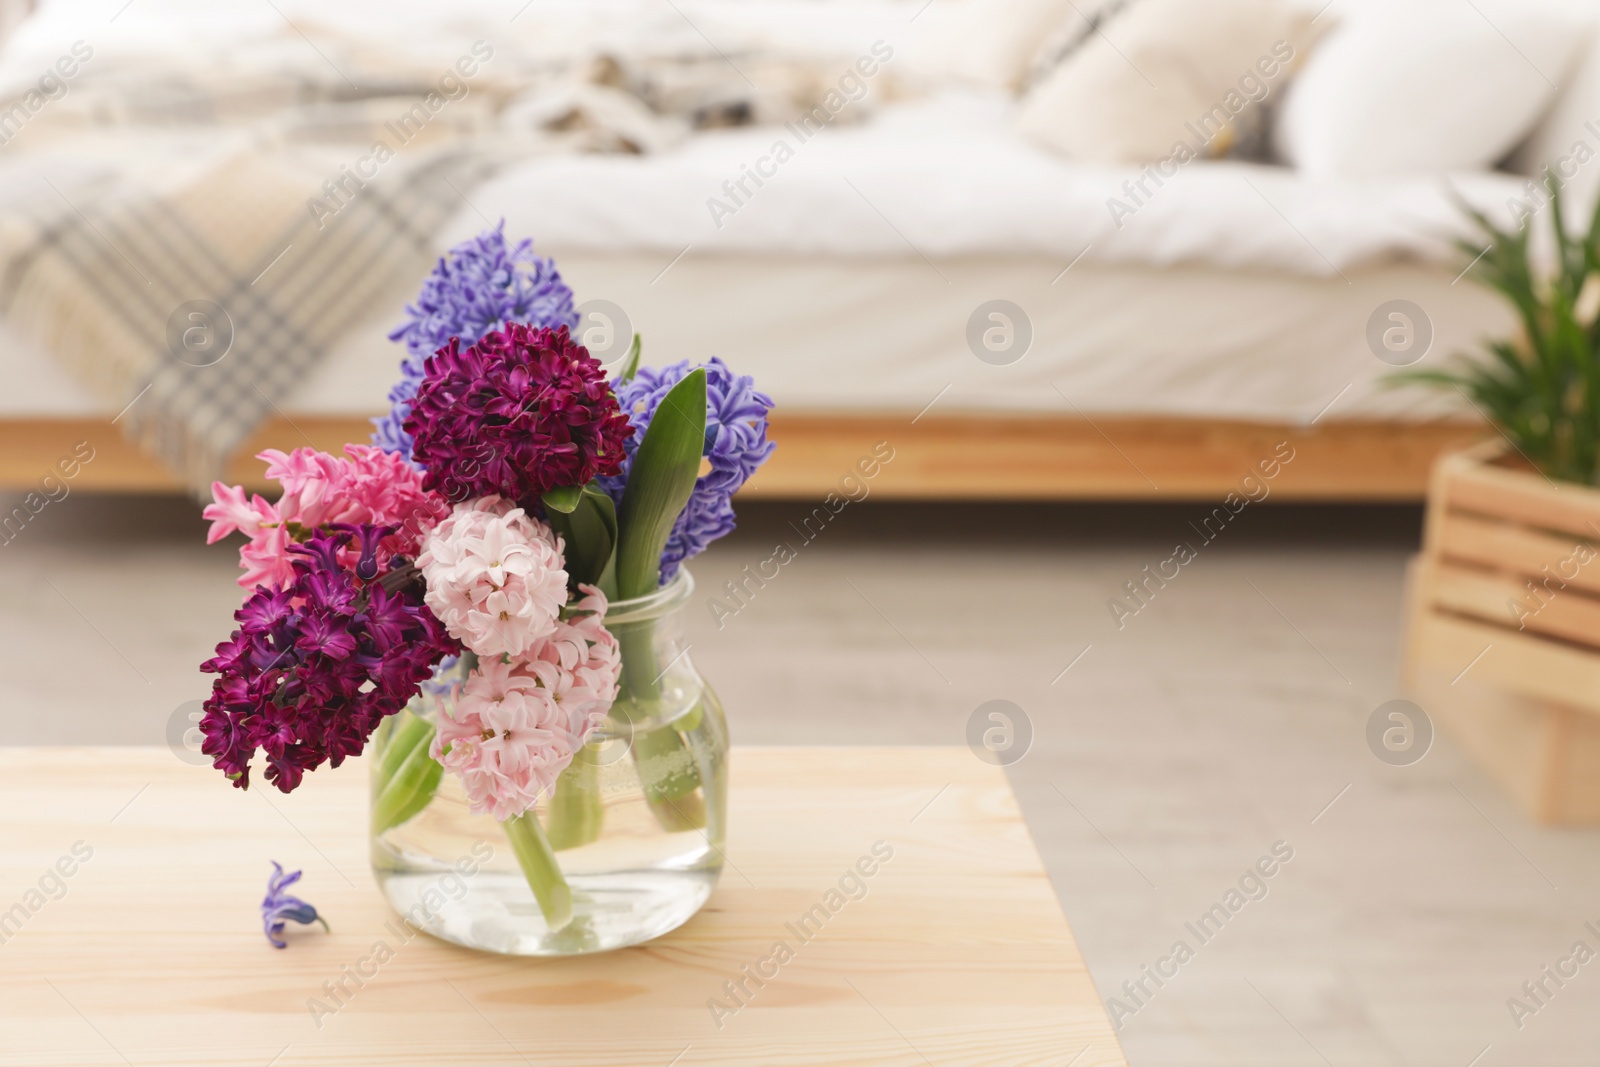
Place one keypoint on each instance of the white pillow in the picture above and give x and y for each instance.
(1164, 74)
(1068, 37)
(991, 43)
(1564, 139)
(1428, 86)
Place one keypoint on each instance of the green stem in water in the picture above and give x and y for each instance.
(402, 739)
(413, 780)
(690, 722)
(678, 814)
(575, 812)
(666, 770)
(407, 776)
(670, 775)
(539, 866)
(640, 684)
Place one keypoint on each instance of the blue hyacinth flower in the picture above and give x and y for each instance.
(279, 907)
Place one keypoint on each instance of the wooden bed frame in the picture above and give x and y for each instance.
(1022, 457)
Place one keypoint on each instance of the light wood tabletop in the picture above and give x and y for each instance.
(150, 951)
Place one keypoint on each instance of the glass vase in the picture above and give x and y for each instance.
(626, 847)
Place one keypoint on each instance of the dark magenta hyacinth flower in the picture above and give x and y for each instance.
(523, 411)
(315, 667)
(479, 285)
(736, 445)
(279, 907)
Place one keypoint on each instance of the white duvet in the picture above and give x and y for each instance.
(934, 177)
(944, 177)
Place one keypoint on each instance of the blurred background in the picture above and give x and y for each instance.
(1225, 371)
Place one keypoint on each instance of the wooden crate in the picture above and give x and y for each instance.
(1503, 645)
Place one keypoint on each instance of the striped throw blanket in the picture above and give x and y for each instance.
(190, 236)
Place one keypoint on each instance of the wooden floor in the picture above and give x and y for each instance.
(1023, 457)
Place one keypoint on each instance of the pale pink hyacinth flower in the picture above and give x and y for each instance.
(518, 722)
(370, 486)
(495, 576)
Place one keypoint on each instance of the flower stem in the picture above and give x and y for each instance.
(409, 776)
(402, 739)
(575, 812)
(678, 814)
(667, 772)
(539, 866)
(669, 778)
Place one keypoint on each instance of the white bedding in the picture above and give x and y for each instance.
(846, 281)
(933, 176)
(828, 334)
(945, 177)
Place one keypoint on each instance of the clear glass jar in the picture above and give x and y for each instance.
(634, 828)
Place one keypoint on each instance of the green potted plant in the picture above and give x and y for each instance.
(1503, 643)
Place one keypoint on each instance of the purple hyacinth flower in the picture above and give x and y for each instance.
(279, 907)
(314, 669)
(480, 285)
(736, 445)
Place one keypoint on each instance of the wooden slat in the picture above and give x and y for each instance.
(1489, 489)
(937, 456)
(957, 955)
(1518, 662)
(1569, 614)
(1517, 549)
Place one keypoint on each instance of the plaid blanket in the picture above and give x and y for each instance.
(200, 309)
(191, 240)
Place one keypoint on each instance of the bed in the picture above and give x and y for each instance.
(1168, 354)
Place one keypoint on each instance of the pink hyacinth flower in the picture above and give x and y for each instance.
(518, 722)
(366, 486)
(232, 511)
(495, 577)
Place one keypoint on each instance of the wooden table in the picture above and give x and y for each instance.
(957, 955)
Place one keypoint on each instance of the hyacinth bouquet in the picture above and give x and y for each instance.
(465, 560)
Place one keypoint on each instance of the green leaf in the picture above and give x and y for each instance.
(564, 499)
(631, 367)
(662, 477)
(1540, 386)
(590, 532)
